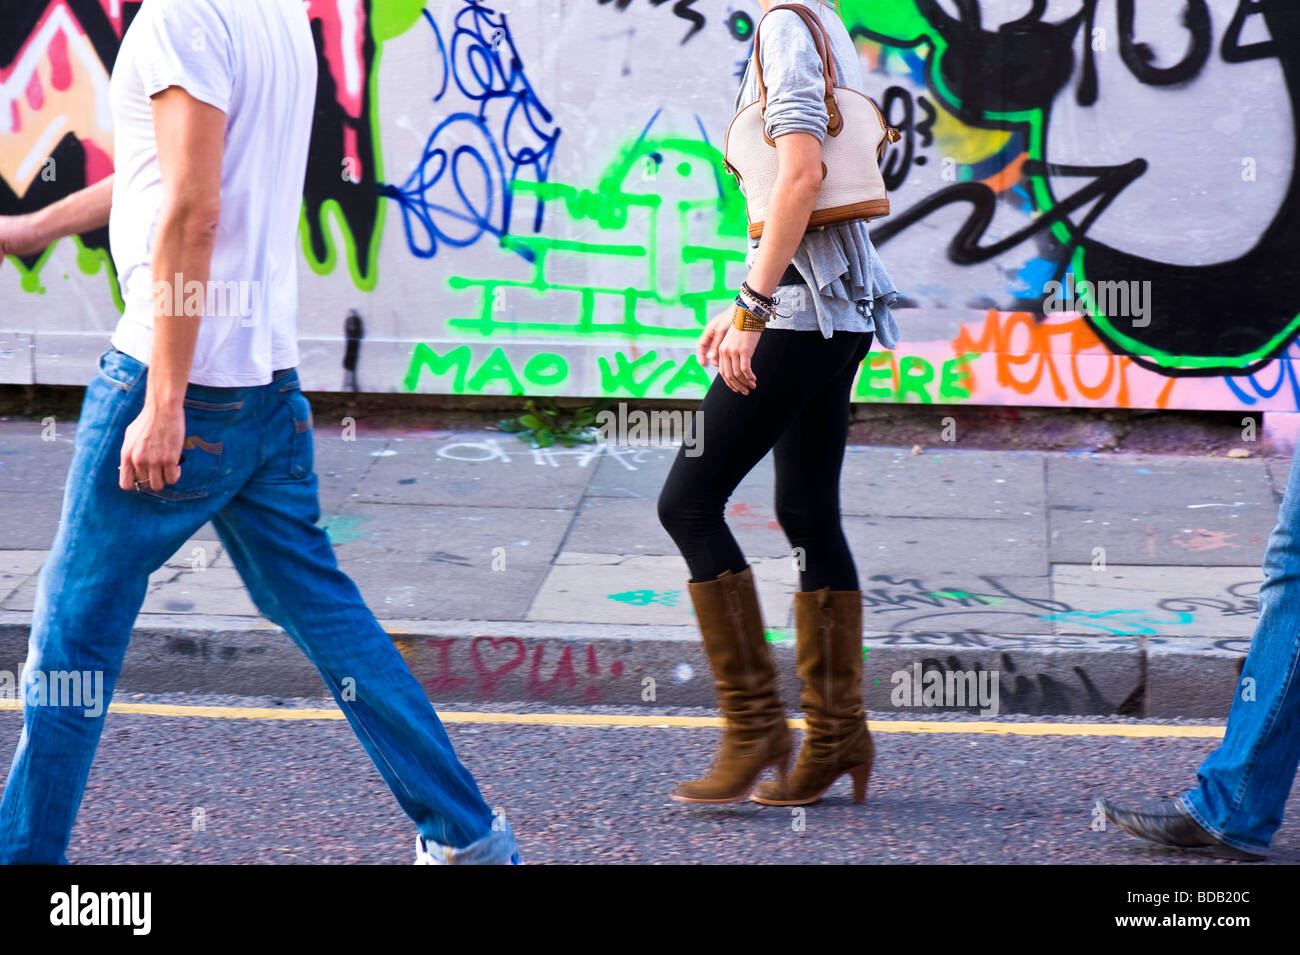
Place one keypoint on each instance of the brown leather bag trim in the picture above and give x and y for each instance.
(871, 209)
(835, 122)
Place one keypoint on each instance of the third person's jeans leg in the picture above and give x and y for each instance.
(1244, 783)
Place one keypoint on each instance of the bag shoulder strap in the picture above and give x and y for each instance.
(835, 122)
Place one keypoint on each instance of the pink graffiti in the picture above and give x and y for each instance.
(343, 29)
(742, 515)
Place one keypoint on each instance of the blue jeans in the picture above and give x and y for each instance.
(247, 467)
(1244, 783)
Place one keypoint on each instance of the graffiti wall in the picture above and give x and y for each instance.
(1094, 201)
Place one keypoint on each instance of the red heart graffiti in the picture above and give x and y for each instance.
(489, 678)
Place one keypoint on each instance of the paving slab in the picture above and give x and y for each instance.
(31, 462)
(473, 469)
(893, 482)
(439, 561)
(341, 466)
(213, 590)
(196, 554)
(16, 568)
(1144, 509)
(874, 481)
(1140, 600)
(30, 519)
(916, 546)
(646, 590)
(621, 525)
(634, 472)
(1149, 509)
(1279, 471)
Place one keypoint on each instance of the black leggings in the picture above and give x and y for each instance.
(800, 410)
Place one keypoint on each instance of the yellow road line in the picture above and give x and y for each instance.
(967, 727)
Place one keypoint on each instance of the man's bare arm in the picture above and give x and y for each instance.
(191, 139)
(84, 211)
(191, 142)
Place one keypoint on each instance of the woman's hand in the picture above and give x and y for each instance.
(706, 350)
(724, 345)
(733, 360)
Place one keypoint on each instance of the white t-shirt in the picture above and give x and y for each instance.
(255, 60)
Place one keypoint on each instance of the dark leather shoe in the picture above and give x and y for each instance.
(1170, 825)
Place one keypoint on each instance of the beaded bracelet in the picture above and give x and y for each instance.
(761, 299)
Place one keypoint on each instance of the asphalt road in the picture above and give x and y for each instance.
(303, 791)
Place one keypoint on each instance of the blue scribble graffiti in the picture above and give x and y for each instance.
(460, 189)
(1286, 375)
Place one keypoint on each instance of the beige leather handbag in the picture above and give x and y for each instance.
(852, 186)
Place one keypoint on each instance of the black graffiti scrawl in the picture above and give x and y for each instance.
(1221, 315)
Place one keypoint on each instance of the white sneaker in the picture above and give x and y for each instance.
(428, 852)
(432, 853)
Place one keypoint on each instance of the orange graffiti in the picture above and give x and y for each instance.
(1029, 351)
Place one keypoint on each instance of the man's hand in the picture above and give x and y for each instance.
(151, 450)
(84, 211)
(19, 236)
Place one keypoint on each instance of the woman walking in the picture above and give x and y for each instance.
(786, 389)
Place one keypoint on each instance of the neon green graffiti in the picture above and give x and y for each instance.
(615, 205)
(89, 261)
(961, 595)
(887, 378)
(541, 370)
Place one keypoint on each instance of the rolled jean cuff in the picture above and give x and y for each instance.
(1189, 804)
(496, 848)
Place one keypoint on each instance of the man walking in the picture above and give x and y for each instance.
(1243, 785)
(196, 415)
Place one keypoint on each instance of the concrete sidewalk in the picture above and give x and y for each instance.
(1090, 584)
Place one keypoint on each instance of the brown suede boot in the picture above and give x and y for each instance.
(756, 735)
(828, 654)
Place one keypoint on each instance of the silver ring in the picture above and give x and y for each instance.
(141, 485)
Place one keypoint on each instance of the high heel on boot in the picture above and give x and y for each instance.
(860, 774)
